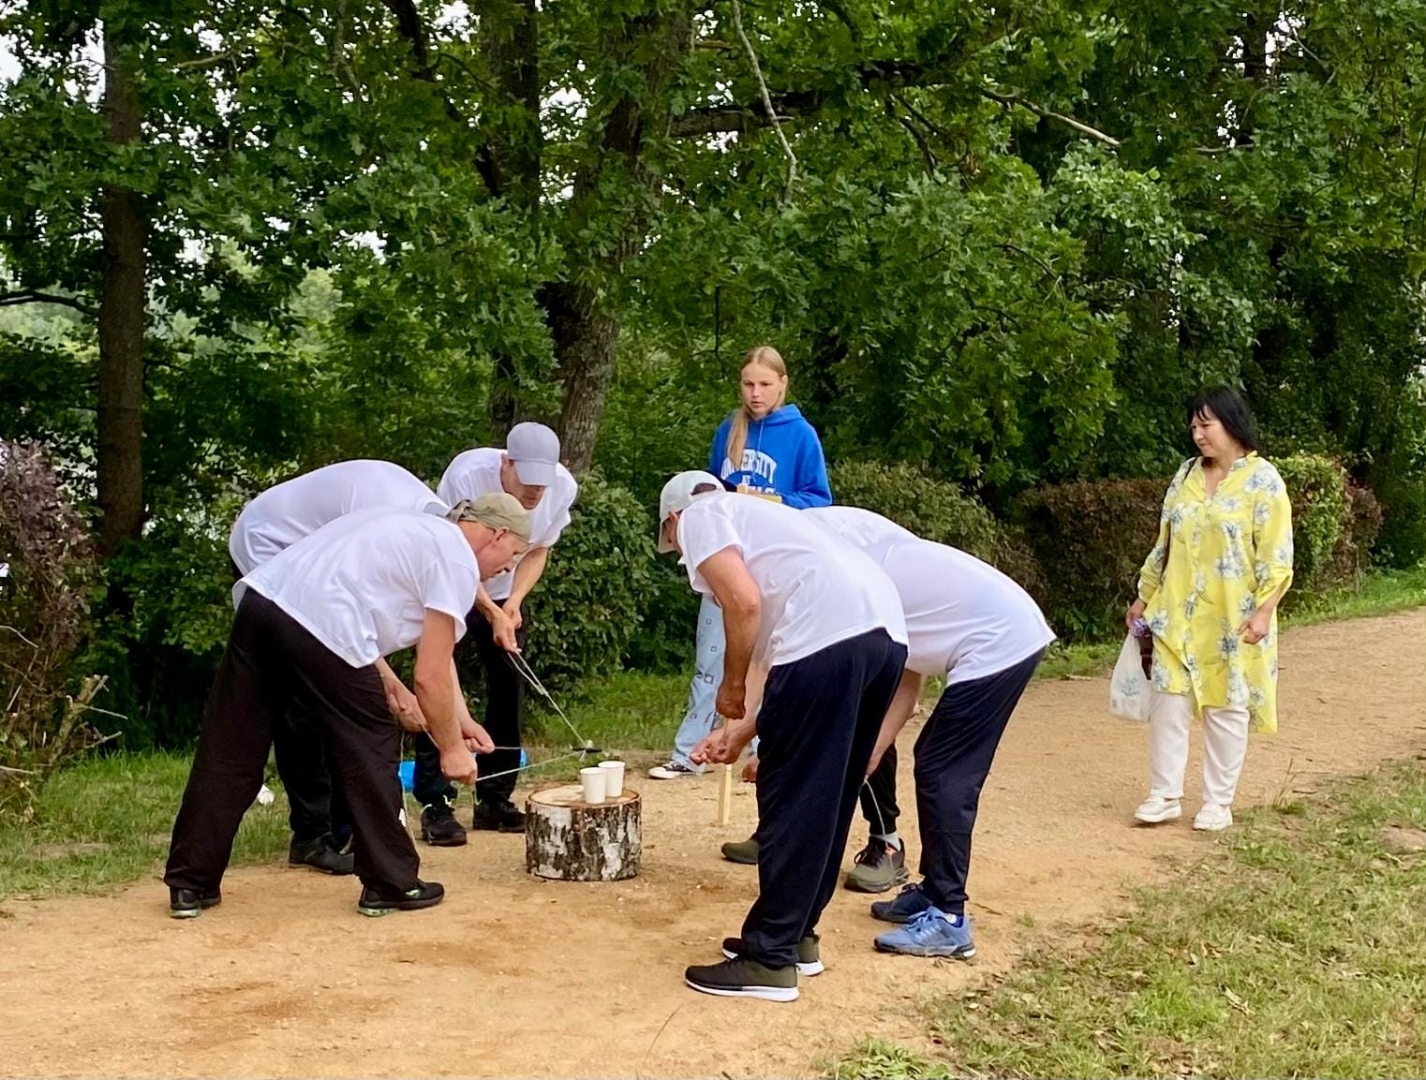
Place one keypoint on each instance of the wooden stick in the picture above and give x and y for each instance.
(725, 794)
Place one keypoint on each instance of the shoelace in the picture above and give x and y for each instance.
(873, 854)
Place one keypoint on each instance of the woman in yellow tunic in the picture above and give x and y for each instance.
(1209, 591)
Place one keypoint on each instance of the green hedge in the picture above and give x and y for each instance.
(1090, 538)
(1321, 515)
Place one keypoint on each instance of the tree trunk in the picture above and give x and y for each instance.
(121, 321)
(584, 342)
(567, 839)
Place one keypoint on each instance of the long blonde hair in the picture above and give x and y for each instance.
(763, 356)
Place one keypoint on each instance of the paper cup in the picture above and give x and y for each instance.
(613, 778)
(593, 781)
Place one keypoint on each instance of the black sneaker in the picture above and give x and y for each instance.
(809, 953)
(439, 827)
(190, 903)
(909, 903)
(321, 854)
(375, 901)
(744, 978)
(498, 817)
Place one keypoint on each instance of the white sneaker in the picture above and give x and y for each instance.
(1156, 809)
(672, 770)
(1212, 818)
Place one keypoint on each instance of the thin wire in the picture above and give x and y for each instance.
(532, 765)
(523, 668)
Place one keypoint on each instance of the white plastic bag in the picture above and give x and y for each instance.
(1128, 689)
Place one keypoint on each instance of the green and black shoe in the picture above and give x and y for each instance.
(744, 852)
(376, 901)
(744, 978)
(809, 953)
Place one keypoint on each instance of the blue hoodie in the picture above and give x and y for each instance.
(782, 455)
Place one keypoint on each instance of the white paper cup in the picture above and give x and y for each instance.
(593, 781)
(613, 778)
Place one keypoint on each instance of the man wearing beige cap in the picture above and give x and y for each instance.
(311, 624)
(529, 469)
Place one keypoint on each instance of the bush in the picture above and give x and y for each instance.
(1090, 539)
(586, 608)
(1352, 557)
(46, 570)
(1321, 513)
(934, 510)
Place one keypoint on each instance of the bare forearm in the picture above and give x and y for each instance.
(484, 604)
(438, 695)
(740, 633)
(902, 708)
(527, 574)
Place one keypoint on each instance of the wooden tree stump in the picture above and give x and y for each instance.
(568, 839)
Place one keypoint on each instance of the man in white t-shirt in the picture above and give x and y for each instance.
(826, 622)
(311, 623)
(529, 469)
(968, 622)
(272, 522)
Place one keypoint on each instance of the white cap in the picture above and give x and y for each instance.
(678, 493)
(535, 451)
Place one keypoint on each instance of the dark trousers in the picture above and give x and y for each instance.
(504, 705)
(819, 720)
(271, 661)
(878, 796)
(953, 757)
(316, 804)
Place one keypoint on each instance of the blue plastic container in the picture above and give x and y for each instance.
(407, 770)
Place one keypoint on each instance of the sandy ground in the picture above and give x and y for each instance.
(512, 976)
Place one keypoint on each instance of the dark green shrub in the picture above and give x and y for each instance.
(1321, 513)
(587, 607)
(1352, 557)
(1090, 538)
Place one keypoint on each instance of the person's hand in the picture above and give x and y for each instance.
(750, 770)
(477, 739)
(715, 749)
(404, 707)
(458, 765)
(732, 700)
(512, 610)
(1256, 626)
(1135, 612)
(503, 627)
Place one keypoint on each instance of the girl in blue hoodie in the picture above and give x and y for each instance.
(766, 448)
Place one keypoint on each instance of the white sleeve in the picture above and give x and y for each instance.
(448, 586)
(702, 536)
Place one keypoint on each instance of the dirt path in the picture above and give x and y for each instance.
(514, 977)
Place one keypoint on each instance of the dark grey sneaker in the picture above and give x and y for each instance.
(321, 854)
(190, 903)
(809, 953)
(744, 978)
(439, 827)
(879, 868)
(375, 901)
(909, 903)
(744, 852)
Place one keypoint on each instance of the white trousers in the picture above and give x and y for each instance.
(1225, 744)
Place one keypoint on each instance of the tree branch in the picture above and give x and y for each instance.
(915, 132)
(34, 296)
(1014, 100)
(767, 101)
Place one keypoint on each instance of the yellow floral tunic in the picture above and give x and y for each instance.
(1230, 551)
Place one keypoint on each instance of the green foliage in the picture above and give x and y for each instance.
(1090, 538)
(587, 606)
(1321, 513)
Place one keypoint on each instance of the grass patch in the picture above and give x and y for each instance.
(1296, 948)
(106, 822)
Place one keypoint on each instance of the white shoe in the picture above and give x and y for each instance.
(1212, 818)
(1156, 809)
(672, 770)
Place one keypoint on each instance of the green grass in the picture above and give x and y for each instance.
(1297, 948)
(106, 821)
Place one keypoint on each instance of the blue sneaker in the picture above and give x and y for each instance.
(929, 934)
(909, 903)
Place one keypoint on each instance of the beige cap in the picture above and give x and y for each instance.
(498, 511)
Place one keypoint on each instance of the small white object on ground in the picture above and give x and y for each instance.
(265, 797)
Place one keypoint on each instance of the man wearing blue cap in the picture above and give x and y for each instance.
(529, 469)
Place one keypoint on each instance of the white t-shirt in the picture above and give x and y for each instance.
(965, 619)
(816, 589)
(477, 472)
(361, 585)
(284, 514)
